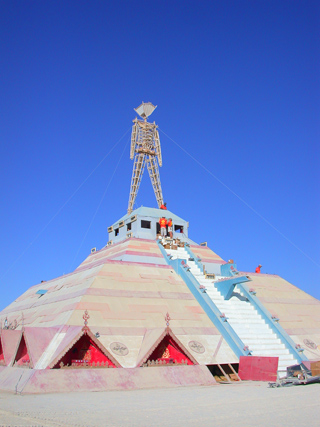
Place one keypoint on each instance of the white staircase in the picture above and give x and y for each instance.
(245, 320)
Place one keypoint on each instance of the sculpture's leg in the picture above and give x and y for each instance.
(137, 172)
(155, 178)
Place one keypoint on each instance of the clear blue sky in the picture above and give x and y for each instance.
(236, 84)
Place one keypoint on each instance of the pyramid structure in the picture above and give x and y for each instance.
(149, 311)
(128, 289)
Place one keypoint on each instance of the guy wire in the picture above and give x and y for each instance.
(103, 196)
(241, 199)
(60, 209)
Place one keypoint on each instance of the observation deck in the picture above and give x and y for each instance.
(143, 223)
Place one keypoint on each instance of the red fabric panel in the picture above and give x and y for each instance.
(84, 350)
(169, 351)
(22, 356)
(255, 368)
(1, 352)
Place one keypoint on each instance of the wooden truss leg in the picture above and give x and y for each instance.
(137, 172)
(155, 178)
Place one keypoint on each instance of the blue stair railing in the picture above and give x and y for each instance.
(226, 288)
(212, 311)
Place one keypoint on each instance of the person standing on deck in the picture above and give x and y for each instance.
(163, 226)
(170, 228)
(258, 269)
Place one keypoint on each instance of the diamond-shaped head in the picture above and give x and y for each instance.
(145, 109)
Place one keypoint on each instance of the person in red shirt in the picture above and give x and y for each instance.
(163, 226)
(258, 269)
(163, 206)
(170, 228)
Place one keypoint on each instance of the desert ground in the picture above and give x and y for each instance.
(242, 404)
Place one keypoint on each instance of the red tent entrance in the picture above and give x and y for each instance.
(84, 352)
(22, 356)
(2, 361)
(168, 351)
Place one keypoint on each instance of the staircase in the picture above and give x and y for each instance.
(241, 315)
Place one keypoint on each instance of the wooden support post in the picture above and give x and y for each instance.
(226, 375)
(236, 374)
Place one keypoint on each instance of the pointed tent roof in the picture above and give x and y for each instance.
(153, 338)
(38, 340)
(20, 341)
(84, 331)
(10, 339)
(64, 341)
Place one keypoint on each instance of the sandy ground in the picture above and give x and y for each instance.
(246, 404)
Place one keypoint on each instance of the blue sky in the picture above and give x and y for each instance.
(237, 86)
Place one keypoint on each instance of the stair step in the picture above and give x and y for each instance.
(265, 338)
(263, 327)
(242, 320)
(241, 324)
(271, 352)
(249, 338)
(238, 309)
(287, 362)
(239, 312)
(265, 341)
(264, 346)
(253, 332)
(235, 308)
(216, 298)
(246, 316)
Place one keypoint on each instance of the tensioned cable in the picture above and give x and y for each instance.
(241, 199)
(94, 215)
(60, 209)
